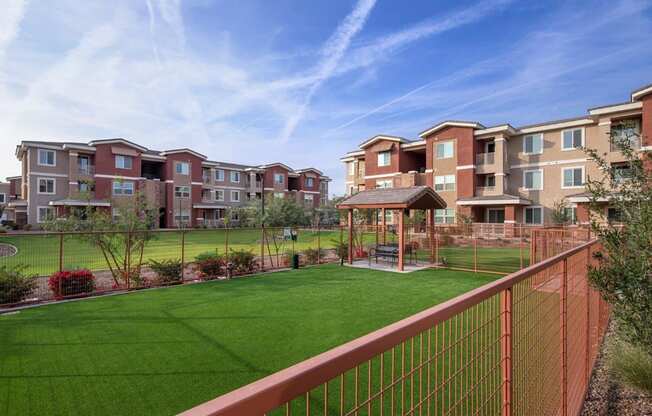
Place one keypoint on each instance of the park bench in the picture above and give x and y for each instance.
(384, 251)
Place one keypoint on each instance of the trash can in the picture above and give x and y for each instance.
(295, 261)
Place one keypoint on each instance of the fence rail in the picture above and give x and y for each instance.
(524, 344)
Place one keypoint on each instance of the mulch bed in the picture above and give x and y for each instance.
(606, 396)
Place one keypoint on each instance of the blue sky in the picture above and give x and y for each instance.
(305, 81)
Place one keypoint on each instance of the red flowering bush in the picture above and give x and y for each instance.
(71, 282)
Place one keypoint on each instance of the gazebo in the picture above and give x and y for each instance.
(401, 199)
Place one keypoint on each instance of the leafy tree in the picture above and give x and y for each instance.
(559, 214)
(623, 273)
(121, 235)
(279, 212)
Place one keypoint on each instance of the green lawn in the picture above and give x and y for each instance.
(41, 252)
(165, 350)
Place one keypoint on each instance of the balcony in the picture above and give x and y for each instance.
(485, 162)
(486, 191)
(86, 170)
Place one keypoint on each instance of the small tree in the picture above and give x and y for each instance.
(559, 214)
(121, 235)
(623, 273)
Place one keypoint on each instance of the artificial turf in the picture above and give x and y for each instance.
(165, 350)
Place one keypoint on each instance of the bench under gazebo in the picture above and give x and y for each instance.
(403, 200)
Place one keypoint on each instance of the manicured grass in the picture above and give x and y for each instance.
(165, 350)
(41, 252)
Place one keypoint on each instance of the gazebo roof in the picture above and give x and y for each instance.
(413, 197)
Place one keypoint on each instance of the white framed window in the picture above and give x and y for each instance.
(182, 192)
(385, 183)
(182, 168)
(384, 158)
(622, 171)
(44, 214)
(626, 131)
(279, 195)
(534, 215)
(445, 216)
(279, 178)
(219, 175)
(182, 216)
(350, 168)
(47, 186)
(47, 157)
(572, 139)
(572, 177)
(533, 144)
(3, 198)
(219, 195)
(308, 199)
(310, 182)
(444, 150)
(571, 214)
(235, 176)
(533, 180)
(123, 188)
(445, 183)
(85, 186)
(490, 181)
(124, 162)
(115, 214)
(235, 196)
(614, 214)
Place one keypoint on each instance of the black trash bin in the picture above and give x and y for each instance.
(295, 261)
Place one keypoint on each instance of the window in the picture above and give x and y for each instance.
(279, 178)
(84, 165)
(384, 158)
(534, 215)
(571, 214)
(533, 180)
(3, 198)
(46, 157)
(234, 215)
(219, 213)
(572, 177)
(444, 150)
(124, 162)
(219, 195)
(626, 131)
(85, 186)
(445, 216)
(490, 181)
(123, 188)
(182, 216)
(445, 183)
(495, 215)
(235, 176)
(310, 182)
(533, 144)
(46, 186)
(219, 175)
(235, 196)
(614, 215)
(490, 147)
(182, 192)
(115, 214)
(387, 183)
(206, 195)
(351, 168)
(182, 168)
(572, 139)
(279, 195)
(308, 200)
(621, 172)
(44, 214)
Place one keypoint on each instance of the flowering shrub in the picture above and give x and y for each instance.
(168, 271)
(71, 282)
(313, 255)
(210, 265)
(15, 285)
(243, 261)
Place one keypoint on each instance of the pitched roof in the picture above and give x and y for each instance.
(417, 197)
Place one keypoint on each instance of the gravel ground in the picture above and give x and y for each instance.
(606, 396)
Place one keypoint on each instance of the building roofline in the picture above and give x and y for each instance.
(120, 141)
(641, 92)
(183, 150)
(379, 137)
(614, 108)
(451, 123)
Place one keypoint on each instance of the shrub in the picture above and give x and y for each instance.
(207, 255)
(15, 285)
(71, 282)
(312, 255)
(632, 365)
(341, 248)
(27, 227)
(211, 266)
(243, 261)
(168, 271)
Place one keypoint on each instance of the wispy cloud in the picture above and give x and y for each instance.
(332, 53)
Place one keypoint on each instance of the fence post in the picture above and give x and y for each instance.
(60, 262)
(318, 243)
(475, 253)
(588, 317)
(128, 260)
(506, 349)
(183, 253)
(563, 292)
(226, 243)
(520, 249)
(262, 248)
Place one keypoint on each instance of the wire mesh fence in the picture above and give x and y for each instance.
(47, 266)
(524, 344)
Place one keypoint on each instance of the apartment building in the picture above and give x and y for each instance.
(504, 174)
(183, 185)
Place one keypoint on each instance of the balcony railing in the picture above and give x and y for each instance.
(485, 158)
(87, 170)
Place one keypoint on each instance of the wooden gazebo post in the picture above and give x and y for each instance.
(401, 240)
(382, 210)
(350, 248)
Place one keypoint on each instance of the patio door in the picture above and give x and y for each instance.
(496, 215)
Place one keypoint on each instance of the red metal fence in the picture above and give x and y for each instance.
(522, 345)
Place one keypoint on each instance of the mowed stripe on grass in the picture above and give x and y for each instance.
(165, 350)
